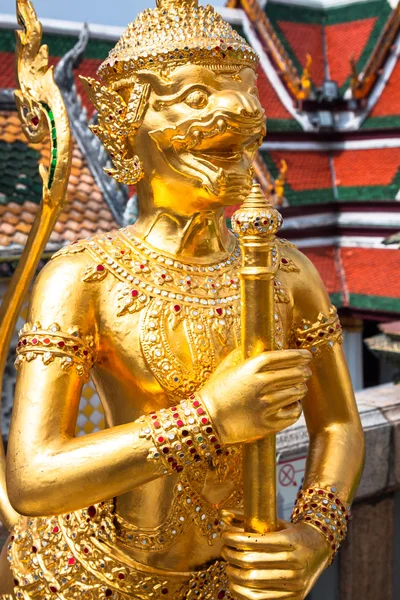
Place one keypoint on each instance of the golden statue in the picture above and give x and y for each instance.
(202, 345)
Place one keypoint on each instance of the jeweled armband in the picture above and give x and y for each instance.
(50, 343)
(181, 435)
(318, 336)
(324, 510)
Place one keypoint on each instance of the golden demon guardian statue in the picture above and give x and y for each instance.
(152, 507)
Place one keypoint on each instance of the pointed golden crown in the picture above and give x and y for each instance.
(177, 32)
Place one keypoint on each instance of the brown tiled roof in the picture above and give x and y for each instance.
(86, 212)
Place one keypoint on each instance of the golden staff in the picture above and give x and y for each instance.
(256, 224)
(42, 112)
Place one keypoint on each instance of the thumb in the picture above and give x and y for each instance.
(233, 518)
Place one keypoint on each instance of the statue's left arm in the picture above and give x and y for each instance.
(292, 559)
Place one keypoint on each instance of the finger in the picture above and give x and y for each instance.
(289, 413)
(270, 542)
(260, 560)
(283, 379)
(285, 397)
(243, 593)
(233, 518)
(270, 579)
(281, 359)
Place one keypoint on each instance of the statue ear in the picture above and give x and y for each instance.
(117, 120)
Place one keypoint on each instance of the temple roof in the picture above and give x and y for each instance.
(342, 155)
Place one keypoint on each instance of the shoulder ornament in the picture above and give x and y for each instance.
(321, 335)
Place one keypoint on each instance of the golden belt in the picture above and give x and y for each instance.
(77, 556)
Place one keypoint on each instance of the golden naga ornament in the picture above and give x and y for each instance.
(202, 347)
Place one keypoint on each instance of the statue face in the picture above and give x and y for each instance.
(200, 133)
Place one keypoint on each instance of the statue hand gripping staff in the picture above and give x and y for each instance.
(153, 314)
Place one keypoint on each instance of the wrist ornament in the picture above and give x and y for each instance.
(181, 435)
(322, 508)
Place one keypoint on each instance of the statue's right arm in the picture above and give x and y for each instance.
(49, 470)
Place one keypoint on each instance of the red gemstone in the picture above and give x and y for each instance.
(35, 121)
(100, 268)
(285, 261)
(46, 341)
(163, 275)
(176, 415)
(204, 421)
(177, 308)
(75, 348)
(209, 430)
(56, 530)
(189, 442)
(157, 425)
(185, 432)
(71, 561)
(213, 439)
(171, 459)
(192, 450)
(179, 468)
(34, 549)
(61, 344)
(53, 589)
(310, 339)
(196, 403)
(92, 511)
(142, 266)
(219, 311)
(165, 450)
(135, 293)
(108, 592)
(180, 423)
(173, 408)
(85, 352)
(86, 550)
(160, 440)
(219, 451)
(16, 582)
(35, 341)
(164, 591)
(121, 576)
(200, 411)
(217, 446)
(221, 595)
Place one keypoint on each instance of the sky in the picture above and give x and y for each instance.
(111, 12)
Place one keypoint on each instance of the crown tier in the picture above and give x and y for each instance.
(172, 35)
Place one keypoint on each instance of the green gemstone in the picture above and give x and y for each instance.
(200, 439)
(54, 162)
(55, 143)
(54, 133)
(54, 152)
(51, 115)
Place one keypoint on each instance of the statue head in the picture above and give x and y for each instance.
(178, 106)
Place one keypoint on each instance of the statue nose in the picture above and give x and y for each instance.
(239, 103)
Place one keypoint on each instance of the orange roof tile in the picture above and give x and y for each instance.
(344, 42)
(306, 38)
(389, 101)
(85, 213)
(366, 167)
(306, 170)
(270, 100)
(372, 271)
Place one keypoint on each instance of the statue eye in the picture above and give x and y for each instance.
(197, 99)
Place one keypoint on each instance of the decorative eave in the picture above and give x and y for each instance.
(363, 82)
(298, 85)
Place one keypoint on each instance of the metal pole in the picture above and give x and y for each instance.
(256, 224)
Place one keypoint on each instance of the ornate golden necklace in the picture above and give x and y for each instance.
(201, 303)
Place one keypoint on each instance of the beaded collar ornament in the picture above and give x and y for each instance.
(174, 34)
